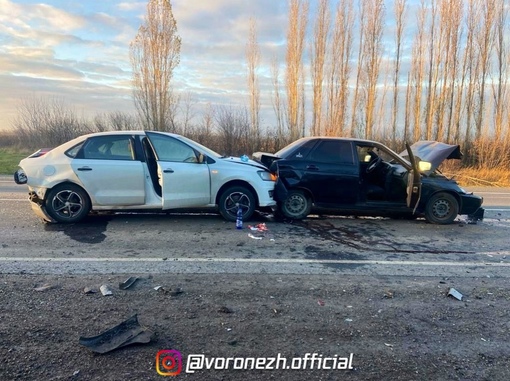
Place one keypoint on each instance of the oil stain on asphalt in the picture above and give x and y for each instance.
(90, 230)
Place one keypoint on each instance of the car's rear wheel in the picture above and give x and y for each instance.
(233, 198)
(67, 203)
(442, 208)
(297, 205)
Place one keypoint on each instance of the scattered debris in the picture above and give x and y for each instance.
(321, 302)
(126, 333)
(225, 310)
(44, 287)
(106, 290)
(171, 292)
(75, 373)
(254, 237)
(259, 228)
(128, 283)
(457, 295)
(388, 295)
(389, 345)
(89, 290)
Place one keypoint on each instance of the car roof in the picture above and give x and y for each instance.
(127, 132)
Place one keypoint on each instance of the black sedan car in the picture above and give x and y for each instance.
(362, 177)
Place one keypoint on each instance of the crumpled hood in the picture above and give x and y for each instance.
(238, 160)
(434, 153)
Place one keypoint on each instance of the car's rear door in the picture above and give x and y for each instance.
(183, 176)
(331, 173)
(109, 172)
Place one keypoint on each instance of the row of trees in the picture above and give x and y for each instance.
(440, 73)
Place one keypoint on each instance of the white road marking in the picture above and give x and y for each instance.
(263, 260)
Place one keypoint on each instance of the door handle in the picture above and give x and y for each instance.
(170, 170)
(312, 168)
(84, 169)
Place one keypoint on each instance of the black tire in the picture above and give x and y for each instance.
(297, 205)
(442, 208)
(234, 196)
(67, 203)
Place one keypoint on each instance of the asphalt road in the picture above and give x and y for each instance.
(204, 243)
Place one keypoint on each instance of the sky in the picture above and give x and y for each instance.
(78, 51)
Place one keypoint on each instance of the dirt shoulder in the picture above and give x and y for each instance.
(395, 328)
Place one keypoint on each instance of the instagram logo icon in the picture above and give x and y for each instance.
(168, 362)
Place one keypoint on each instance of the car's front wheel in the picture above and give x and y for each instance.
(297, 205)
(442, 208)
(236, 197)
(67, 203)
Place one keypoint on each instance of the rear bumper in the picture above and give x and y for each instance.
(37, 206)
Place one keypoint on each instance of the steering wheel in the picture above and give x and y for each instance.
(373, 164)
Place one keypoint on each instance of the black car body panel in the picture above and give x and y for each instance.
(362, 177)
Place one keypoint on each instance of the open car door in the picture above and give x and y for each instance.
(413, 181)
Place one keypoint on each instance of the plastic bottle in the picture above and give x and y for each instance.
(239, 219)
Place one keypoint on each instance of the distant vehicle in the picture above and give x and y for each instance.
(141, 170)
(362, 177)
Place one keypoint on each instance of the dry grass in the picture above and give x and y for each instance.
(473, 176)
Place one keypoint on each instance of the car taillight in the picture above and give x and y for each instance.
(39, 153)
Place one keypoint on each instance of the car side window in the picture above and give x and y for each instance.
(170, 149)
(114, 147)
(333, 151)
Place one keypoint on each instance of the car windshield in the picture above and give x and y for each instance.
(209, 152)
(287, 149)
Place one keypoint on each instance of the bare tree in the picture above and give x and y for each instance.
(47, 122)
(400, 10)
(253, 60)
(339, 70)
(418, 72)
(359, 71)
(294, 70)
(115, 121)
(373, 25)
(318, 58)
(154, 54)
(433, 70)
(234, 129)
(278, 105)
(485, 44)
(500, 83)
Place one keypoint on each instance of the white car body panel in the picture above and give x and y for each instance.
(184, 184)
(111, 182)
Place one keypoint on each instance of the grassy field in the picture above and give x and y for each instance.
(9, 159)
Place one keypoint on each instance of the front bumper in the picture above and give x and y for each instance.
(472, 206)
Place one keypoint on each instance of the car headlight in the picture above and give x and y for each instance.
(267, 176)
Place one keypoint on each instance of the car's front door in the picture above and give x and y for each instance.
(184, 177)
(109, 172)
(331, 173)
(413, 181)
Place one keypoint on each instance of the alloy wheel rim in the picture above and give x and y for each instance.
(67, 204)
(236, 199)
